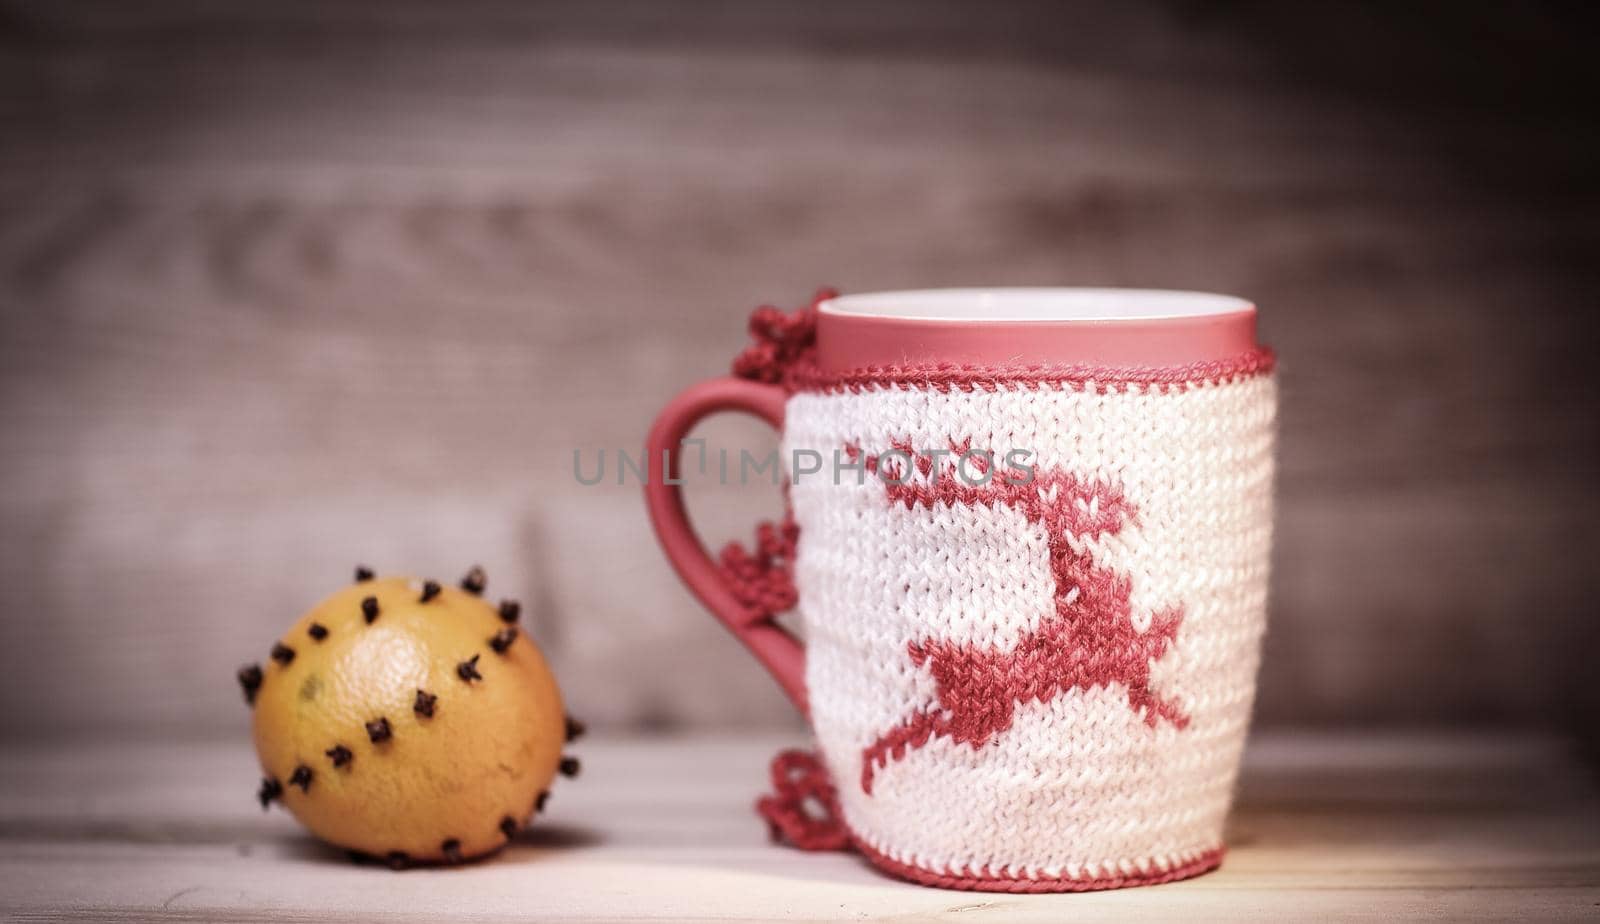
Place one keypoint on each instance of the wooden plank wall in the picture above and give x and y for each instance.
(288, 286)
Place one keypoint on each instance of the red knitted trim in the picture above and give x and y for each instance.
(968, 880)
(946, 377)
(779, 340)
(762, 578)
(803, 809)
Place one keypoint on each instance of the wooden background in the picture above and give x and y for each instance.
(287, 286)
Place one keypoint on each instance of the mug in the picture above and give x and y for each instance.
(1028, 541)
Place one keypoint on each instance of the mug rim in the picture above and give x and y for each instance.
(856, 332)
(1032, 305)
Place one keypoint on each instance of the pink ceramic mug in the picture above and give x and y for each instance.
(1032, 579)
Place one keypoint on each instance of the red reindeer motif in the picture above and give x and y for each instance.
(1088, 641)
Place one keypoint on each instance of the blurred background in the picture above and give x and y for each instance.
(289, 286)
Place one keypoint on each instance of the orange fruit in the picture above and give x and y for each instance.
(408, 721)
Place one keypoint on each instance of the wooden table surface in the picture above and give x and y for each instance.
(1419, 824)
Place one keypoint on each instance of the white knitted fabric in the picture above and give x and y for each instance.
(1083, 784)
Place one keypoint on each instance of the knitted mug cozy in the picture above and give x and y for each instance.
(1036, 683)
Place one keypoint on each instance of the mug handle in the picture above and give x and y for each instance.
(773, 645)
